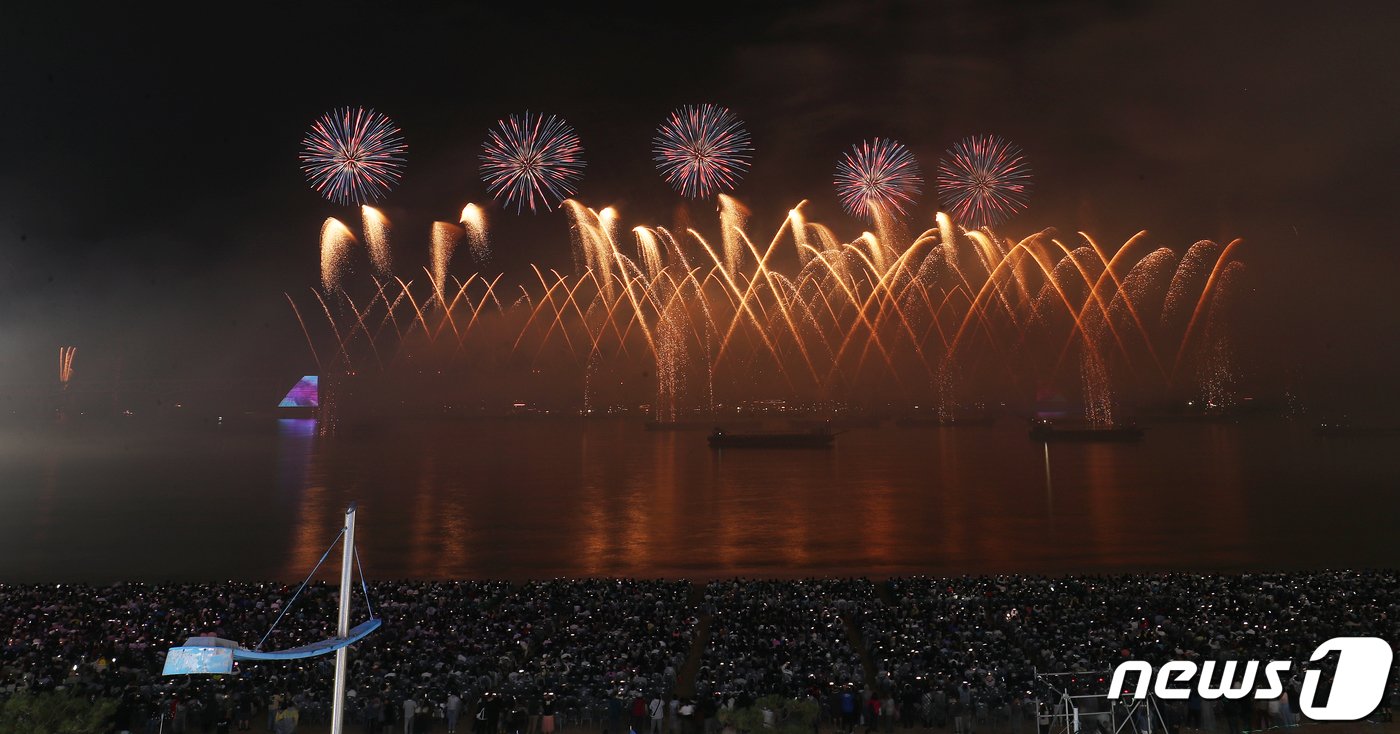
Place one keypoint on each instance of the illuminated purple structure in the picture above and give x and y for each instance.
(305, 394)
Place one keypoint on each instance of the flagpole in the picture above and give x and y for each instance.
(343, 626)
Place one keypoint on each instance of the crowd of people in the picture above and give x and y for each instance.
(596, 639)
(990, 644)
(534, 647)
(539, 657)
(781, 637)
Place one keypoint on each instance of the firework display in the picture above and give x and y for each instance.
(353, 155)
(946, 315)
(796, 366)
(65, 364)
(701, 150)
(878, 173)
(911, 313)
(983, 180)
(533, 161)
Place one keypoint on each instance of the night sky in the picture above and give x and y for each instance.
(152, 210)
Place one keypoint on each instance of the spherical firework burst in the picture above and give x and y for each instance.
(878, 172)
(702, 149)
(353, 155)
(532, 160)
(983, 180)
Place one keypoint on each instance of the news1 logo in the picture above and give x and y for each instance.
(1363, 665)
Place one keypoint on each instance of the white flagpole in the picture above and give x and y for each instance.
(343, 627)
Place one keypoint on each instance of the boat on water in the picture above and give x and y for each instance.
(818, 438)
(1082, 432)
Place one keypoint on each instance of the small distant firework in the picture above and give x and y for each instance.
(733, 216)
(607, 220)
(353, 155)
(532, 160)
(474, 221)
(445, 238)
(376, 229)
(702, 149)
(879, 172)
(983, 181)
(649, 248)
(336, 241)
(65, 364)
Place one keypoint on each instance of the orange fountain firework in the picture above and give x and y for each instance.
(376, 230)
(65, 364)
(474, 220)
(889, 313)
(336, 241)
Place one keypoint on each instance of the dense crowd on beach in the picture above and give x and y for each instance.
(666, 656)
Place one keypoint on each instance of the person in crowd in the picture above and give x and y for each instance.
(452, 711)
(286, 720)
(410, 712)
(656, 711)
